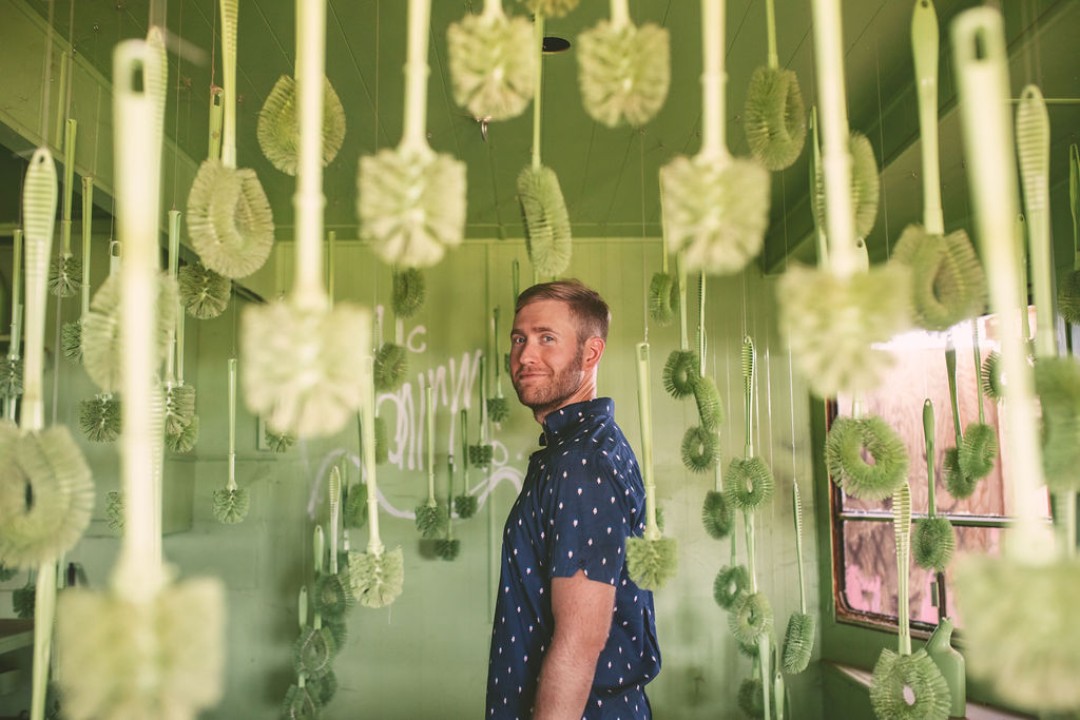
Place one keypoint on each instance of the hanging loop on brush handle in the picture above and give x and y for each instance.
(924, 43)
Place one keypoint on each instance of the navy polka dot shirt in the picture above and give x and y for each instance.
(581, 498)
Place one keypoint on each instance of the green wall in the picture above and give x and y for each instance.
(426, 655)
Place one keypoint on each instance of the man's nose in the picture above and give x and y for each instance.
(526, 353)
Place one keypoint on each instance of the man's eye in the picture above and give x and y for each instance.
(517, 340)
(548, 338)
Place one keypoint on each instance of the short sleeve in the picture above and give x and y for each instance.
(590, 520)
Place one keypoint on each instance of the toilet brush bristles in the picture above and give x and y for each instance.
(547, 221)
(162, 658)
(750, 698)
(717, 515)
(333, 597)
(313, 651)
(865, 186)
(279, 442)
(203, 293)
(681, 373)
(354, 510)
(65, 276)
(185, 440)
(896, 675)
(230, 222)
(700, 448)
(551, 8)
(99, 418)
(933, 543)
(492, 64)
(498, 410)
(949, 283)
(651, 563)
(991, 380)
(448, 548)
(716, 211)
(978, 451)
(1020, 629)
(391, 365)
(114, 510)
(382, 441)
(1069, 297)
(748, 483)
(865, 457)
(481, 455)
(179, 407)
(71, 340)
(11, 377)
(663, 298)
(299, 704)
(23, 600)
(278, 129)
(1057, 383)
(774, 117)
(751, 617)
(709, 404)
(730, 585)
(798, 642)
(408, 292)
(466, 506)
(624, 72)
(46, 494)
(230, 505)
(430, 520)
(377, 578)
(411, 206)
(323, 689)
(832, 324)
(959, 485)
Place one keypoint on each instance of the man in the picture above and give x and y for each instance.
(573, 636)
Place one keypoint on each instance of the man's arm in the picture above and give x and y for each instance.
(582, 610)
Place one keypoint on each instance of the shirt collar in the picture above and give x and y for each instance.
(561, 423)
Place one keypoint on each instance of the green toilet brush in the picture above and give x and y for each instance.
(299, 353)
(682, 366)
(498, 407)
(147, 646)
(99, 418)
(732, 582)
(934, 539)
(663, 293)
(22, 599)
(547, 221)
(408, 292)
(492, 69)
(448, 547)
(979, 449)
(865, 184)
(551, 8)
(466, 503)
(300, 704)
(230, 222)
(715, 206)
(865, 457)
(278, 127)
(333, 594)
(71, 333)
(179, 398)
(801, 627)
(278, 442)
(623, 70)
(958, 484)
(314, 648)
(482, 452)
(651, 559)
(391, 360)
(204, 293)
(1029, 651)
(411, 201)
(774, 116)
(11, 366)
(114, 510)
(898, 673)
(66, 271)
(355, 507)
(377, 574)
(430, 517)
(749, 481)
(1069, 292)
(231, 504)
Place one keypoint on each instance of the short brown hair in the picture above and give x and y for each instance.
(586, 305)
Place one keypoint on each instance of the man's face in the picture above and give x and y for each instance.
(545, 355)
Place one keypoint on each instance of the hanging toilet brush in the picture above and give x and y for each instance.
(231, 504)
(11, 366)
(408, 292)
(333, 595)
(935, 539)
(683, 365)
(623, 70)
(299, 353)
(715, 206)
(71, 333)
(1029, 651)
(498, 407)
(482, 452)
(430, 518)
(182, 433)
(774, 116)
(179, 399)
(147, 646)
(355, 507)
(717, 515)
(377, 574)
(203, 293)
(663, 293)
(391, 360)
(979, 449)
(1069, 292)
(865, 457)
(99, 418)
(865, 186)
(730, 585)
(801, 627)
(547, 221)
(896, 674)
(466, 503)
(230, 222)
(491, 63)
(749, 481)
(411, 201)
(22, 599)
(278, 127)
(300, 703)
(65, 274)
(448, 547)
(46, 490)
(651, 559)
(958, 484)
(114, 510)
(279, 442)
(314, 648)
(949, 282)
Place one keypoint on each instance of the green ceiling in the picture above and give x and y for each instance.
(609, 177)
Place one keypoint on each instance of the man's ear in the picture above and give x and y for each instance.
(594, 350)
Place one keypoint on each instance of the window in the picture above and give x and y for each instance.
(863, 541)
